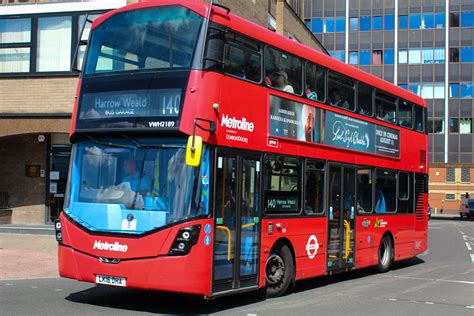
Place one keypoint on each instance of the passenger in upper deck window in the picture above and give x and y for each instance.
(336, 100)
(280, 81)
(252, 70)
(310, 94)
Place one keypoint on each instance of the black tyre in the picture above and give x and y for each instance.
(279, 270)
(385, 254)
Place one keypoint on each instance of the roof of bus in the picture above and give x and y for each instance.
(267, 36)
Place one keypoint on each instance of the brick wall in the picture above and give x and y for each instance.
(27, 195)
(37, 95)
(439, 188)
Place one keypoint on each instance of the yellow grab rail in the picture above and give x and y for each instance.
(347, 249)
(248, 225)
(227, 230)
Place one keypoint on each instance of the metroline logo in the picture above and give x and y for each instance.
(111, 247)
(234, 123)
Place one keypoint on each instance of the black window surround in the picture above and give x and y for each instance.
(33, 43)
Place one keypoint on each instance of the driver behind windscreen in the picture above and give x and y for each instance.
(138, 183)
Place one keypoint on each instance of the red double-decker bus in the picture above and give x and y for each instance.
(212, 156)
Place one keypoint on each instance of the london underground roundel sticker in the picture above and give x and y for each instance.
(312, 246)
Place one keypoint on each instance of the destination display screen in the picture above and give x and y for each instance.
(303, 122)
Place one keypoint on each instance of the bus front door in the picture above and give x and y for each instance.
(237, 222)
(341, 218)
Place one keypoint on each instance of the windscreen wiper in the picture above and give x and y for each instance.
(158, 146)
(109, 144)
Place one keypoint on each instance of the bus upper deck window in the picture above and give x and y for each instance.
(419, 119)
(405, 113)
(364, 99)
(341, 91)
(314, 82)
(386, 107)
(283, 71)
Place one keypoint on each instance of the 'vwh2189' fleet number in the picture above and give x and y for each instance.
(161, 124)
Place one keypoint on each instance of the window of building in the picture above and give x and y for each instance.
(450, 175)
(438, 126)
(466, 89)
(365, 23)
(315, 82)
(403, 22)
(364, 191)
(338, 54)
(377, 23)
(405, 113)
(465, 125)
(307, 22)
(85, 36)
(414, 56)
(454, 125)
(402, 56)
(341, 91)
(282, 184)
(414, 88)
(465, 175)
(467, 19)
(454, 55)
(54, 44)
(354, 24)
(283, 71)
(353, 57)
(389, 23)
(428, 21)
(450, 196)
(16, 33)
(364, 57)
(340, 24)
(440, 20)
(385, 191)
(317, 25)
(385, 107)
(364, 99)
(415, 21)
(438, 55)
(454, 19)
(403, 86)
(467, 54)
(419, 121)
(388, 57)
(314, 188)
(377, 57)
(454, 90)
(329, 25)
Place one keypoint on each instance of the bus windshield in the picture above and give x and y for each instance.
(134, 186)
(147, 39)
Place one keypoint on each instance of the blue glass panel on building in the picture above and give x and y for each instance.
(414, 88)
(353, 58)
(308, 23)
(376, 23)
(403, 22)
(340, 24)
(365, 57)
(403, 86)
(389, 23)
(365, 23)
(338, 54)
(317, 25)
(438, 56)
(454, 90)
(354, 24)
(467, 19)
(427, 56)
(329, 25)
(388, 56)
(415, 21)
(440, 20)
(466, 89)
(428, 21)
(466, 54)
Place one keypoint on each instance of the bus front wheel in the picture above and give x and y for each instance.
(279, 270)
(385, 254)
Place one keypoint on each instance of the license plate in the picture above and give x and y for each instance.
(110, 280)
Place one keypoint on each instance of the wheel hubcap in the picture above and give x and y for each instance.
(384, 252)
(275, 269)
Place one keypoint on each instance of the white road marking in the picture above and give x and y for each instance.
(468, 245)
(472, 257)
(251, 314)
(392, 299)
(428, 279)
(470, 306)
(467, 237)
(33, 287)
(429, 303)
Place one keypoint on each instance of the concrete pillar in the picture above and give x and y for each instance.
(280, 16)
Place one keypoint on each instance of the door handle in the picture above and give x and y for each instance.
(227, 230)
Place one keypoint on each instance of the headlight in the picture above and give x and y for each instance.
(185, 239)
(58, 229)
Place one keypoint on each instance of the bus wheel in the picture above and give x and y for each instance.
(279, 270)
(385, 254)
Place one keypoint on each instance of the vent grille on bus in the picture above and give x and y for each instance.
(420, 190)
(422, 157)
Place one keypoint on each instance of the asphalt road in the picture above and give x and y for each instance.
(438, 282)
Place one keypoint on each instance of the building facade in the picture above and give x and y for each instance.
(40, 52)
(427, 47)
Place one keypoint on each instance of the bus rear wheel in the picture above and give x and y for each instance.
(279, 270)
(385, 254)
